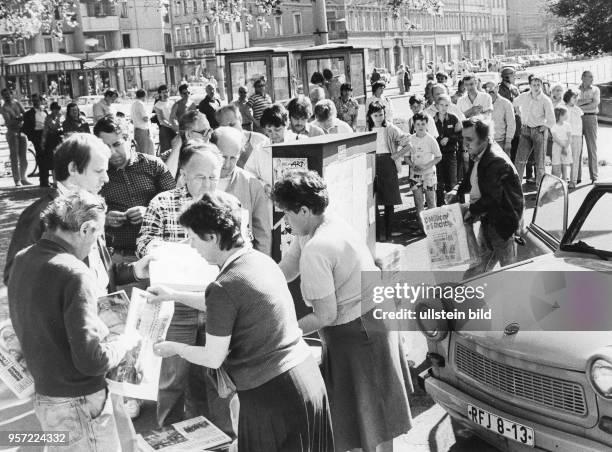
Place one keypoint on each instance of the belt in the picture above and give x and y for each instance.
(589, 114)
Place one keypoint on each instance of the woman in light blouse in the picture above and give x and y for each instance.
(362, 366)
(252, 330)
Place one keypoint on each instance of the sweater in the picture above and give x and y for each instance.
(53, 307)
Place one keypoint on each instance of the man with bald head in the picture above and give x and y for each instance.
(246, 187)
(183, 391)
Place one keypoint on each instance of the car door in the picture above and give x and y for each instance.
(549, 220)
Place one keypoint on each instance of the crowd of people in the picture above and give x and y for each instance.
(115, 198)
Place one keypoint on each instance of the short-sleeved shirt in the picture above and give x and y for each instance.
(138, 112)
(250, 302)
(482, 99)
(330, 262)
(259, 103)
(101, 109)
(424, 150)
(575, 119)
(589, 95)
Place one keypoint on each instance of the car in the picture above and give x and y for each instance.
(511, 62)
(86, 103)
(485, 77)
(385, 76)
(525, 386)
(523, 86)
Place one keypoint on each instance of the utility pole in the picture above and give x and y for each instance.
(319, 22)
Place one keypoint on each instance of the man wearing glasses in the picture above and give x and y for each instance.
(181, 106)
(134, 179)
(183, 392)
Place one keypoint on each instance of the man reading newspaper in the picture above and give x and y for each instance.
(496, 197)
(53, 306)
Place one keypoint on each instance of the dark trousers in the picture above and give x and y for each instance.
(165, 138)
(44, 157)
(446, 172)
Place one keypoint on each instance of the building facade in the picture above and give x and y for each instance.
(529, 26)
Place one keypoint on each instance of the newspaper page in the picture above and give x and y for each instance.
(137, 375)
(13, 370)
(197, 434)
(450, 241)
(180, 267)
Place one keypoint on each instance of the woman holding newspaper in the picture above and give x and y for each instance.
(252, 331)
(362, 365)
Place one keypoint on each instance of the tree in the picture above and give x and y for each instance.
(24, 19)
(585, 25)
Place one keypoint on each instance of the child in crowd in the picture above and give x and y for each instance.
(575, 119)
(417, 105)
(449, 136)
(391, 146)
(423, 157)
(561, 154)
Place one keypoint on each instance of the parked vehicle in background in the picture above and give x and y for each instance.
(527, 387)
(511, 62)
(385, 76)
(485, 77)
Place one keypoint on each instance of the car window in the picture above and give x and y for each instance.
(596, 230)
(550, 213)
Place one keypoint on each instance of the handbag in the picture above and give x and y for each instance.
(222, 382)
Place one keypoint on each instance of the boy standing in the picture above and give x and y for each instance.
(423, 158)
(449, 135)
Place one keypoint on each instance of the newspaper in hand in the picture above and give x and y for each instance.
(197, 434)
(137, 375)
(450, 241)
(13, 370)
(180, 267)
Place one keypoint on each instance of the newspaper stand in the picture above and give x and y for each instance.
(347, 163)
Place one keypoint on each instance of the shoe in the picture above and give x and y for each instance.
(18, 183)
(593, 181)
(132, 408)
(26, 182)
(578, 181)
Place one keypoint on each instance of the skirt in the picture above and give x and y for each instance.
(387, 183)
(366, 382)
(289, 413)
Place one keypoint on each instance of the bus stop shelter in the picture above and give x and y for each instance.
(135, 68)
(54, 74)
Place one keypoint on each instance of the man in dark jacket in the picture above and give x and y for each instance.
(33, 126)
(209, 106)
(53, 306)
(496, 197)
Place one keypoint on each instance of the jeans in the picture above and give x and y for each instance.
(144, 141)
(531, 140)
(89, 421)
(184, 388)
(18, 148)
(493, 249)
(589, 131)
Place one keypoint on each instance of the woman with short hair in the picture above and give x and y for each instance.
(252, 330)
(362, 365)
(74, 122)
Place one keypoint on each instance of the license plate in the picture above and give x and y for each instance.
(501, 426)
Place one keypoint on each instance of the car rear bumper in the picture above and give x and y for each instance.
(455, 403)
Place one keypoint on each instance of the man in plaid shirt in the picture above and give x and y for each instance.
(183, 391)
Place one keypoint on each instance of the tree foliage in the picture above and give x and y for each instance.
(24, 19)
(585, 25)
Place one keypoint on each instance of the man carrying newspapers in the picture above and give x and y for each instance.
(495, 197)
(53, 306)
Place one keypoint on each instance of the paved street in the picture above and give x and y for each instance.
(431, 431)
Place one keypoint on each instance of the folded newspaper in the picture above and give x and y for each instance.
(451, 242)
(197, 434)
(180, 267)
(137, 375)
(13, 370)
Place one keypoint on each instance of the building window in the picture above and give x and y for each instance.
(123, 10)
(187, 34)
(177, 8)
(238, 26)
(196, 34)
(185, 8)
(195, 6)
(261, 30)
(278, 26)
(178, 35)
(48, 45)
(100, 8)
(206, 32)
(227, 28)
(297, 24)
(101, 46)
(168, 42)
(126, 41)
(6, 49)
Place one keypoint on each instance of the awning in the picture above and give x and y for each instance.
(44, 62)
(91, 64)
(131, 58)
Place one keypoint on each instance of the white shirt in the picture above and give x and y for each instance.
(535, 111)
(163, 109)
(39, 119)
(575, 119)
(424, 150)
(431, 125)
(483, 99)
(138, 112)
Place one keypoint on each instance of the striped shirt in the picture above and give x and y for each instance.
(259, 103)
(161, 219)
